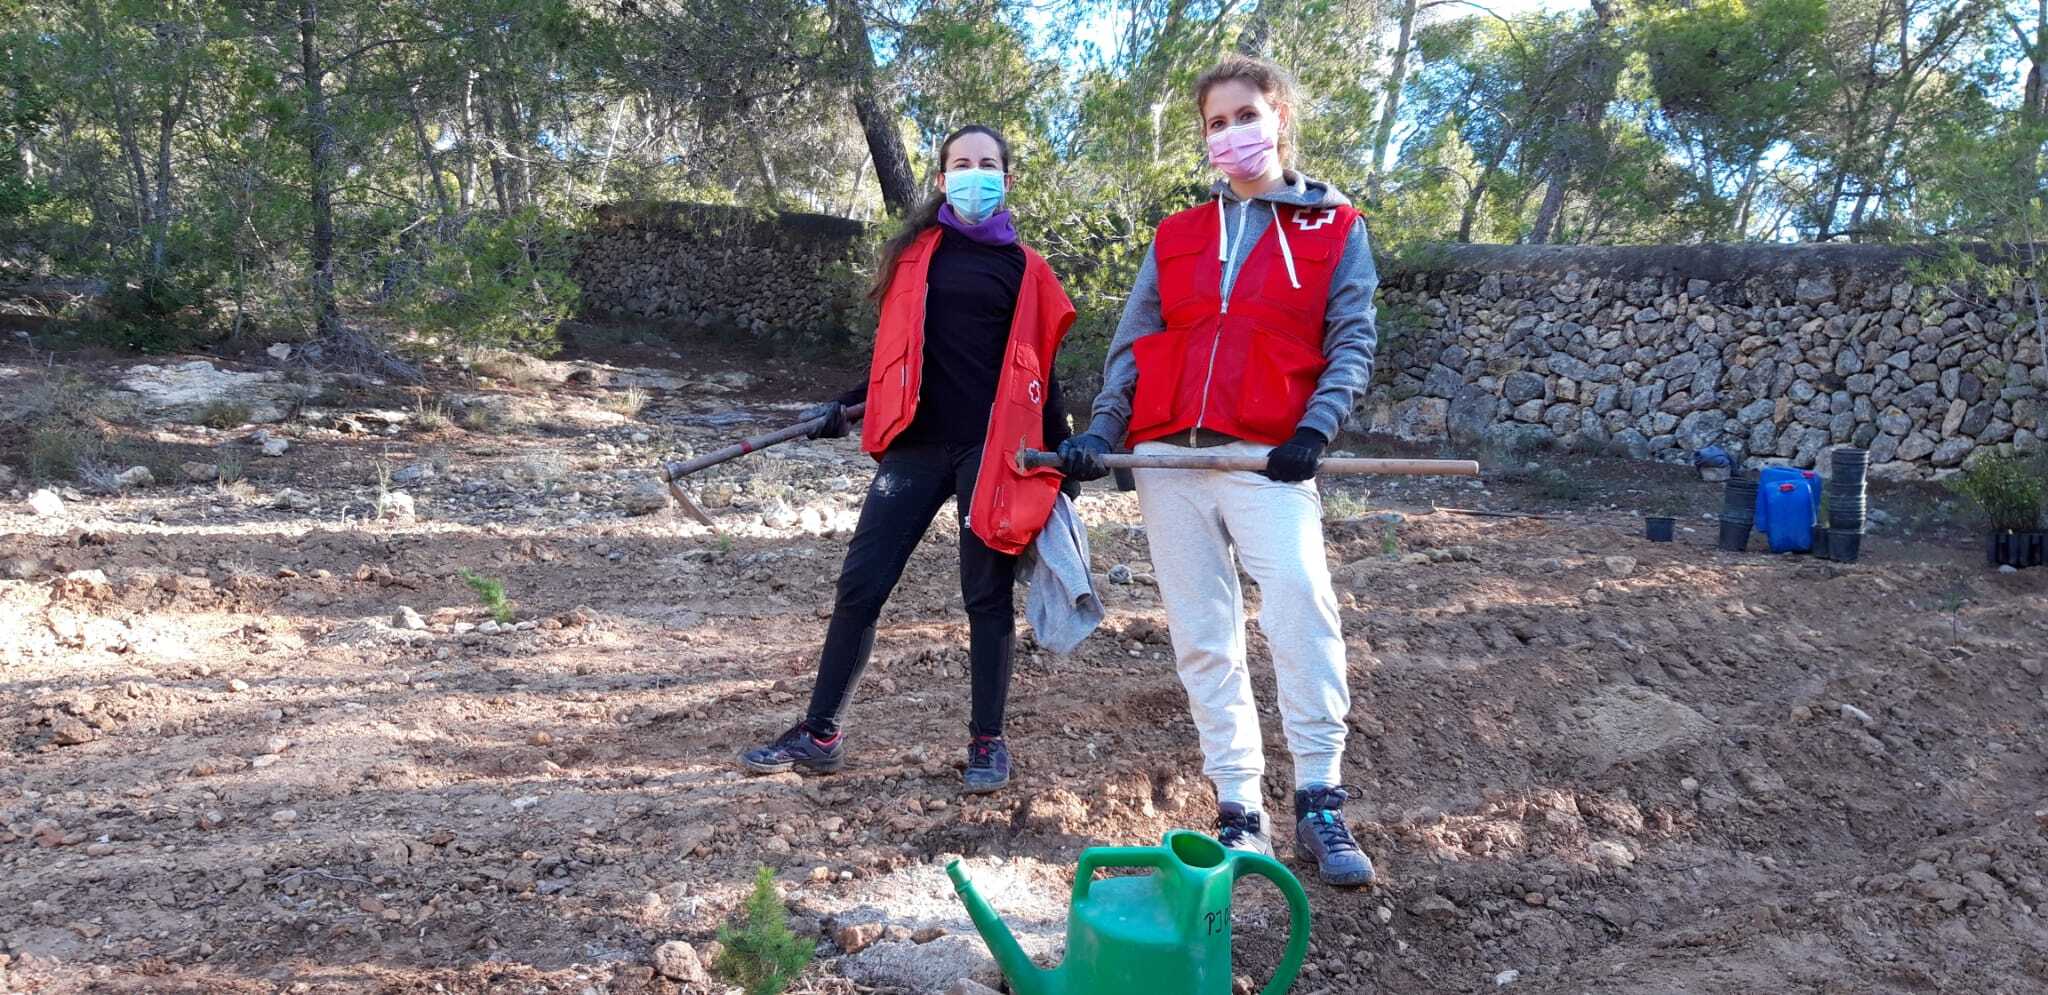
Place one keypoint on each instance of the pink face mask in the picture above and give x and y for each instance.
(1246, 151)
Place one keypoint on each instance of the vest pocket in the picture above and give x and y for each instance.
(891, 395)
(1155, 399)
(1280, 377)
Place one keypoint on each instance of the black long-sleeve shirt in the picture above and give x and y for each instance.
(971, 297)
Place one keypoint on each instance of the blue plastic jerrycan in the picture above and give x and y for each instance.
(1790, 525)
(1768, 480)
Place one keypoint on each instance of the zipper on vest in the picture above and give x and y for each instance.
(1244, 221)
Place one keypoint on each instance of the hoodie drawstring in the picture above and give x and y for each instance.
(1286, 254)
(1222, 232)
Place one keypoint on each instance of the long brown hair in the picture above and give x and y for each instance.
(926, 213)
(1272, 82)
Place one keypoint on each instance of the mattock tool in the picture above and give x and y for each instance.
(673, 473)
(1035, 459)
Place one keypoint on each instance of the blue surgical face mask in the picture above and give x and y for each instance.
(975, 193)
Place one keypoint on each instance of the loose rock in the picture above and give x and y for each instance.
(856, 938)
(678, 961)
(46, 503)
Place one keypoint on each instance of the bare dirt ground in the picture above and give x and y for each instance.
(234, 763)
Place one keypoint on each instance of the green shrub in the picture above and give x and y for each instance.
(57, 448)
(224, 415)
(498, 282)
(2007, 490)
(761, 954)
(155, 311)
(491, 591)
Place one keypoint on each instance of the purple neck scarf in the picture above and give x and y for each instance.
(993, 230)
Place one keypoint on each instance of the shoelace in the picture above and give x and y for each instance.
(801, 735)
(981, 752)
(1230, 830)
(1327, 819)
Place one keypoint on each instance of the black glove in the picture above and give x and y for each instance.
(1071, 488)
(834, 414)
(1081, 457)
(1296, 459)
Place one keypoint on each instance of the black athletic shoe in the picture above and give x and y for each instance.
(799, 750)
(1321, 833)
(1239, 828)
(988, 765)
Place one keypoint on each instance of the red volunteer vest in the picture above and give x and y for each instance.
(1245, 367)
(1010, 504)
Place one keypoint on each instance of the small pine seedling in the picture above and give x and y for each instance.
(492, 592)
(761, 954)
(1389, 545)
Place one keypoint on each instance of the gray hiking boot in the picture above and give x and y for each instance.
(1320, 832)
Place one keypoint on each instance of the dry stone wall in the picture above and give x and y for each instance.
(723, 268)
(1776, 353)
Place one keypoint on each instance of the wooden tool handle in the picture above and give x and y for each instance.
(1033, 458)
(677, 471)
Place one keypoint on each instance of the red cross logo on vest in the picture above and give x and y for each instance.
(1311, 222)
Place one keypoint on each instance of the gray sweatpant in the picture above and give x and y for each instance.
(1193, 521)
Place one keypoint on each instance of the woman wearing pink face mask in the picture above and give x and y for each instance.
(1250, 331)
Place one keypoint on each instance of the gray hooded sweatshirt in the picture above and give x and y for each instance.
(1349, 334)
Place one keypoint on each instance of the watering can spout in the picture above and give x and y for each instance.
(1025, 977)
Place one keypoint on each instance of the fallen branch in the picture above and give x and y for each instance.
(1488, 514)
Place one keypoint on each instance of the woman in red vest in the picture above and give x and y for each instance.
(1250, 332)
(961, 378)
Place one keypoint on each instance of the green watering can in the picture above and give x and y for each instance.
(1168, 931)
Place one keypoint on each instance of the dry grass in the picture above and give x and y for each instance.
(629, 402)
(224, 415)
(431, 417)
(513, 368)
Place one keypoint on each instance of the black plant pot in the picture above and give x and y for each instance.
(1845, 545)
(1658, 528)
(1738, 501)
(2016, 549)
(1734, 535)
(1821, 550)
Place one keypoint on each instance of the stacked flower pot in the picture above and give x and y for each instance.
(1738, 511)
(1848, 506)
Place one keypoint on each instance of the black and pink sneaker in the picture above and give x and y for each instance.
(800, 750)
(988, 765)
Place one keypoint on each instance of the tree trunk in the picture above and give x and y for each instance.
(885, 144)
(1257, 32)
(320, 146)
(466, 179)
(1597, 74)
(1397, 77)
(513, 144)
(1478, 194)
(2033, 111)
(167, 126)
(493, 144)
(427, 154)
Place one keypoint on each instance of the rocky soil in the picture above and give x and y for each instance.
(261, 734)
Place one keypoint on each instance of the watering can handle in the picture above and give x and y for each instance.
(1297, 914)
(1096, 858)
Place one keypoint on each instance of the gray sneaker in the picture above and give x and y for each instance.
(1320, 832)
(1238, 829)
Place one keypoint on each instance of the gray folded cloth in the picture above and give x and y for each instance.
(1062, 606)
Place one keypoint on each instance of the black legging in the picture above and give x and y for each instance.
(910, 485)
